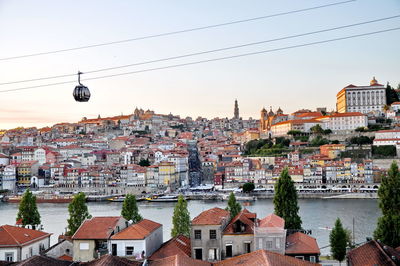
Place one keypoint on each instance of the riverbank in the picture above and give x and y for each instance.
(200, 196)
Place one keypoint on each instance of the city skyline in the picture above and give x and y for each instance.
(307, 77)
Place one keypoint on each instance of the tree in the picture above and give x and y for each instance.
(317, 129)
(233, 207)
(130, 209)
(181, 219)
(360, 129)
(388, 228)
(144, 162)
(338, 241)
(285, 201)
(248, 187)
(28, 212)
(327, 131)
(78, 212)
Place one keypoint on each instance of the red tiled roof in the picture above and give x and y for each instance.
(272, 220)
(11, 236)
(372, 253)
(65, 257)
(179, 260)
(140, 230)
(299, 243)
(212, 216)
(265, 258)
(109, 260)
(97, 228)
(244, 217)
(177, 245)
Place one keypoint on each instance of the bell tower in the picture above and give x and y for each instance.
(236, 110)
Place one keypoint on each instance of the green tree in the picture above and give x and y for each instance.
(144, 162)
(78, 212)
(317, 129)
(130, 209)
(233, 207)
(338, 241)
(285, 201)
(28, 212)
(388, 228)
(248, 187)
(181, 219)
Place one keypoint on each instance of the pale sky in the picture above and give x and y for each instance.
(306, 77)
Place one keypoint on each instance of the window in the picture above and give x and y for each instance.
(299, 257)
(128, 251)
(312, 259)
(260, 243)
(9, 257)
(84, 246)
(268, 244)
(228, 251)
(197, 234)
(277, 243)
(247, 247)
(213, 234)
(198, 253)
(30, 252)
(212, 254)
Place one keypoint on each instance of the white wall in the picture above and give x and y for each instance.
(138, 246)
(3, 252)
(154, 241)
(35, 248)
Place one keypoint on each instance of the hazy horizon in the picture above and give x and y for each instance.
(307, 77)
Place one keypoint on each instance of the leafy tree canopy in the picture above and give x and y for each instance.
(285, 201)
(78, 213)
(181, 219)
(130, 209)
(28, 212)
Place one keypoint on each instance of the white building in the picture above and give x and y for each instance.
(17, 243)
(40, 156)
(303, 125)
(9, 177)
(387, 137)
(344, 121)
(138, 240)
(363, 99)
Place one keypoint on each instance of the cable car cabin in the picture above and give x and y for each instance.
(81, 93)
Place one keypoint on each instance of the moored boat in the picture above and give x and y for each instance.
(170, 198)
(42, 199)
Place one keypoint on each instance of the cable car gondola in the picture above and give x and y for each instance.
(81, 92)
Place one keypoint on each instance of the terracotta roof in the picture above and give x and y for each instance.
(177, 245)
(272, 220)
(140, 230)
(65, 257)
(264, 257)
(11, 236)
(299, 243)
(179, 260)
(109, 260)
(42, 261)
(243, 217)
(212, 216)
(372, 253)
(97, 228)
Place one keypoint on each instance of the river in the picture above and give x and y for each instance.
(316, 214)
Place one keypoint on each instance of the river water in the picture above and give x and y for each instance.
(316, 214)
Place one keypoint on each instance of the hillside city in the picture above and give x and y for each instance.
(327, 154)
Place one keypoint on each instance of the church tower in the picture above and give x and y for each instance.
(236, 111)
(263, 119)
